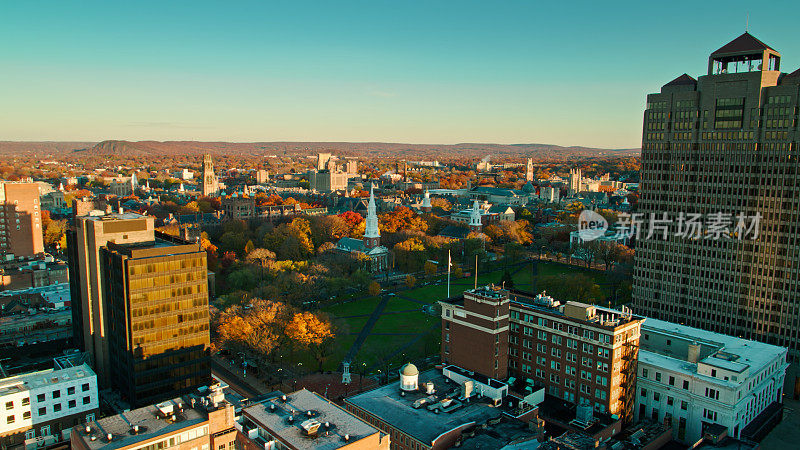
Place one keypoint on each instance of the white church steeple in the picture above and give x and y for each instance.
(372, 234)
(426, 201)
(475, 222)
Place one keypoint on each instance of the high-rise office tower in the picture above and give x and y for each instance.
(20, 219)
(158, 330)
(725, 147)
(140, 305)
(210, 180)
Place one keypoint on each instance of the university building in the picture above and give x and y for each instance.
(577, 352)
(724, 143)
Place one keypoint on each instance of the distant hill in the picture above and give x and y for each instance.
(122, 149)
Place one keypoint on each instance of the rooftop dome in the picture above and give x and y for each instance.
(528, 187)
(409, 370)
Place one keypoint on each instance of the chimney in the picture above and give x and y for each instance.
(694, 352)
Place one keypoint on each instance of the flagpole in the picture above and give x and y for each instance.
(448, 273)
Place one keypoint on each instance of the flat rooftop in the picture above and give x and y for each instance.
(151, 424)
(43, 378)
(297, 406)
(386, 403)
(719, 350)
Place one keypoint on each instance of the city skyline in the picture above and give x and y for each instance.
(353, 72)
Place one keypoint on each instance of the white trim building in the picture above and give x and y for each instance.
(693, 379)
(35, 408)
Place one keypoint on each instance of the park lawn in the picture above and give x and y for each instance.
(522, 281)
(351, 325)
(353, 308)
(412, 322)
(400, 304)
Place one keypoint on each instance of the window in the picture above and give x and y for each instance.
(657, 396)
(643, 392)
(686, 384)
(87, 400)
(42, 411)
(40, 398)
(671, 381)
(56, 394)
(26, 415)
(70, 390)
(85, 386)
(10, 419)
(684, 405)
(72, 403)
(57, 407)
(670, 401)
(9, 405)
(658, 376)
(26, 401)
(644, 372)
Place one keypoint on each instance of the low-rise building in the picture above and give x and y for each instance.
(305, 420)
(37, 407)
(441, 409)
(203, 421)
(692, 379)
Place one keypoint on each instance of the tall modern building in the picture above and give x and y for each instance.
(140, 306)
(721, 146)
(20, 219)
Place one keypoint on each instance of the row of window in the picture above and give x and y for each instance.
(43, 410)
(43, 397)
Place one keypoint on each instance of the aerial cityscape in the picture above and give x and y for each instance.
(269, 225)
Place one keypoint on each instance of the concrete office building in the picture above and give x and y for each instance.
(87, 235)
(203, 420)
(38, 406)
(577, 352)
(140, 305)
(697, 381)
(725, 143)
(20, 219)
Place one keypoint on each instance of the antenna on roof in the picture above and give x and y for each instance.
(746, 23)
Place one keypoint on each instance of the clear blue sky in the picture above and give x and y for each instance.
(564, 72)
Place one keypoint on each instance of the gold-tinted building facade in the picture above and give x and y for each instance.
(158, 324)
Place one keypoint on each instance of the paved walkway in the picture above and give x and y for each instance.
(362, 336)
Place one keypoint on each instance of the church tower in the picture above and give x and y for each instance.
(426, 202)
(372, 234)
(210, 182)
(529, 170)
(475, 222)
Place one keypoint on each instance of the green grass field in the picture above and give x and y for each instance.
(418, 322)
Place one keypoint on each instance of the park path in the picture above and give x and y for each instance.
(362, 336)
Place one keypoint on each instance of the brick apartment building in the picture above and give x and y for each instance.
(578, 352)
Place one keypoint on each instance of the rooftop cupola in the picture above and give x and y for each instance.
(744, 54)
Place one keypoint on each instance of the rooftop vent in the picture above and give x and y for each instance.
(310, 426)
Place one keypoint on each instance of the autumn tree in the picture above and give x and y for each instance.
(402, 219)
(374, 288)
(314, 332)
(255, 330)
(411, 281)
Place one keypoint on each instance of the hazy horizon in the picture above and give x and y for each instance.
(569, 74)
